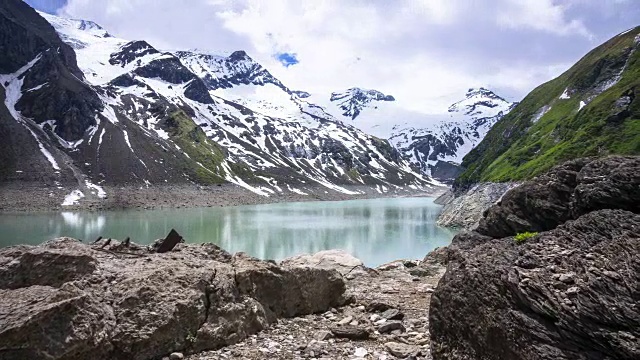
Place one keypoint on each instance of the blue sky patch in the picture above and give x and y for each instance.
(49, 6)
(287, 59)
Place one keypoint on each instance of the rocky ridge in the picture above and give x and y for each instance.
(567, 290)
(354, 100)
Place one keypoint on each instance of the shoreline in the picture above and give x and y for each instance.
(20, 198)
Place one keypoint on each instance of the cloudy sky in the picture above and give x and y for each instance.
(426, 53)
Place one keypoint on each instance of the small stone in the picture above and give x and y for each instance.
(361, 352)
(324, 335)
(419, 272)
(566, 278)
(349, 332)
(409, 264)
(374, 317)
(176, 356)
(612, 274)
(572, 290)
(392, 314)
(391, 326)
(401, 350)
(346, 320)
(354, 323)
(377, 307)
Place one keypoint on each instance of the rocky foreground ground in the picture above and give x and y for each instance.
(385, 319)
(117, 300)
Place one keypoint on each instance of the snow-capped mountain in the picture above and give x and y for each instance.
(241, 79)
(130, 114)
(354, 100)
(434, 145)
(438, 149)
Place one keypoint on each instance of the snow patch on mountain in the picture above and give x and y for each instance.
(73, 198)
(440, 146)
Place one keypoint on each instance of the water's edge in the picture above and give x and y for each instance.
(20, 198)
(374, 230)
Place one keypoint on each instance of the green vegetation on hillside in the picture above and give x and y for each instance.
(207, 155)
(518, 147)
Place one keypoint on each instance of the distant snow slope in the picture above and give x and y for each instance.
(434, 148)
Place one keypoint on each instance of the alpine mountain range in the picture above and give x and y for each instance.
(85, 110)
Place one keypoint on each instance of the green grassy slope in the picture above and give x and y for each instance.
(519, 147)
(205, 155)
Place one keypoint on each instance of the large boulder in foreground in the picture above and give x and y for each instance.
(67, 300)
(564, 193)
(569, 292)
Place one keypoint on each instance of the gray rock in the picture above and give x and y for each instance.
(339, 260)
(351, 332)
(104, 306)
(465, 209)
(565, 193)
(176, 356)
(392, 314)
(324, 335)
(496, 301)
(390, 326)
(377, 306)
(401, 350)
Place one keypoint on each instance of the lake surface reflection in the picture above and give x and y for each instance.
(374, 230)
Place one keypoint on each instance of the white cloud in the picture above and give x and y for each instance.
(426, 53)
(543, 15)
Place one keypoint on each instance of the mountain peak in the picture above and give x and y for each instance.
(219, 72)
(66, 25)
(354, 100)
(239, 55)
(480, 102)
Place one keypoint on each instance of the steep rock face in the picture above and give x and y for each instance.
(103, 305)
(52, 85)
(564, 294)
(465, 210)
(561, 294)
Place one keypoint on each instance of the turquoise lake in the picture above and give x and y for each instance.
(375, 230)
